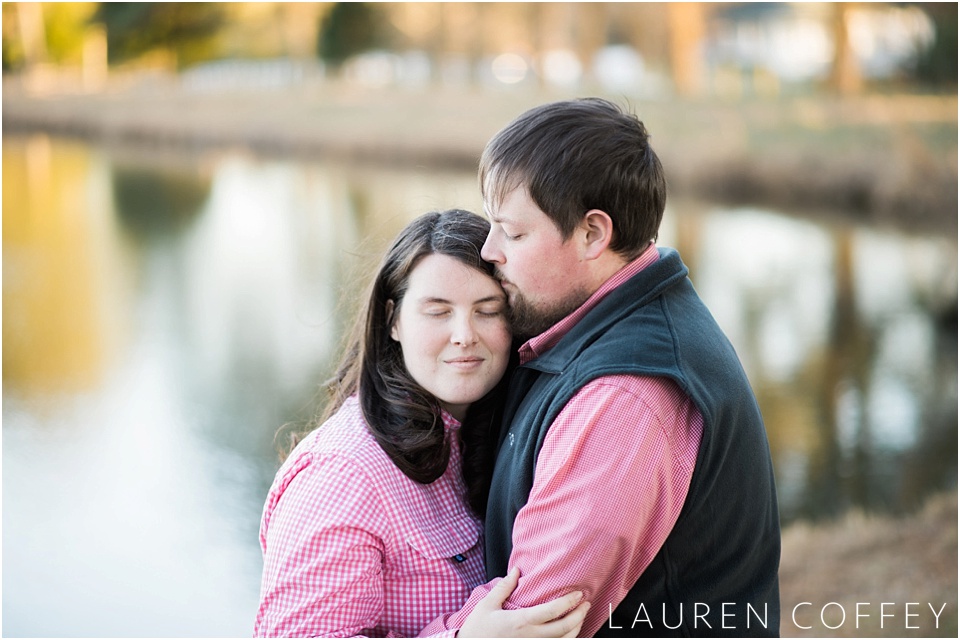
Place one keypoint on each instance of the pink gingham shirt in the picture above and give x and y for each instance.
(353, 547)
(609, 483)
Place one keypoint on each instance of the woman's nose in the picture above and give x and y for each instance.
(463, 333)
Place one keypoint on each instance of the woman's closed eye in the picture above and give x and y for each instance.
(490, 313)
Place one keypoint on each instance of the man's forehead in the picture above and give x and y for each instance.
(493, 201)
(495, 212)
(497, 186)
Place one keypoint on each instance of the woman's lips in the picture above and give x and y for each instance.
(465, 362)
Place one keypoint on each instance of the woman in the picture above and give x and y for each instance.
(370, 527)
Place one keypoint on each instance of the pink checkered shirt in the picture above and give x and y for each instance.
(609, 483)
(353, 547)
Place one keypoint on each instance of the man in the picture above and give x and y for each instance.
(633, 463)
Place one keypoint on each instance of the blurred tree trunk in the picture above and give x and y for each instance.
(300, 23)
(94, 60)
(478, 40)
(591, 34)
(534, 17)
(32, 32)
(687, 28)
(436, 45)
(845, 77)
(645, 24)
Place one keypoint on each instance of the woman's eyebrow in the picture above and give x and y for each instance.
(437, 300)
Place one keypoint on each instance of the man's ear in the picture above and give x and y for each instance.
(597, 227)
(390, 306)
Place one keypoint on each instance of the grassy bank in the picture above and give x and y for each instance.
(889, 159)
(872, 560)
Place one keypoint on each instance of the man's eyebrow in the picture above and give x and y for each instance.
(494, 217)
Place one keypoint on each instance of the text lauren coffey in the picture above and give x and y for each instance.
(804, 615)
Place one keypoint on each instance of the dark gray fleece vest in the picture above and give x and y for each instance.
(725, 546)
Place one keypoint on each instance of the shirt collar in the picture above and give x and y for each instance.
(539, 345)
(449, 422)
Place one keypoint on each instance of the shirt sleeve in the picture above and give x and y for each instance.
(323, 552)
(609, 483)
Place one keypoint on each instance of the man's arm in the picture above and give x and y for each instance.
(609, 483)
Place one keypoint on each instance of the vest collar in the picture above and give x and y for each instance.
(636, 292)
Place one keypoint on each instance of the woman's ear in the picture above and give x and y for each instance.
(390, 307)
(598, 233)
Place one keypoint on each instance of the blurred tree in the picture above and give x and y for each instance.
(35, 32)
(351, 28)
(845, 75)
(15, 41)
(686, 24)
(67, 24)
(271, 29)
(27, 44)
(187, 29)
(938, 64)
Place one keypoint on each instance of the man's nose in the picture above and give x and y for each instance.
(490, 251)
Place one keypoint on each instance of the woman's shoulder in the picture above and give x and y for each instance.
(332, 464)
(345, 433)
(344, 438)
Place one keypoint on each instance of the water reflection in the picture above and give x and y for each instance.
(163, 317)
(61, 274)
(845, 333)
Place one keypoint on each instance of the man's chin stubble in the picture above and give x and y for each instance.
(527, 322)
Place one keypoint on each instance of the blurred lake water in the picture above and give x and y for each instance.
(164, 315)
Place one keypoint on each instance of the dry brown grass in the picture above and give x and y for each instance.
(872, 559)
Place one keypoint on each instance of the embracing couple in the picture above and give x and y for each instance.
(537, 429)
